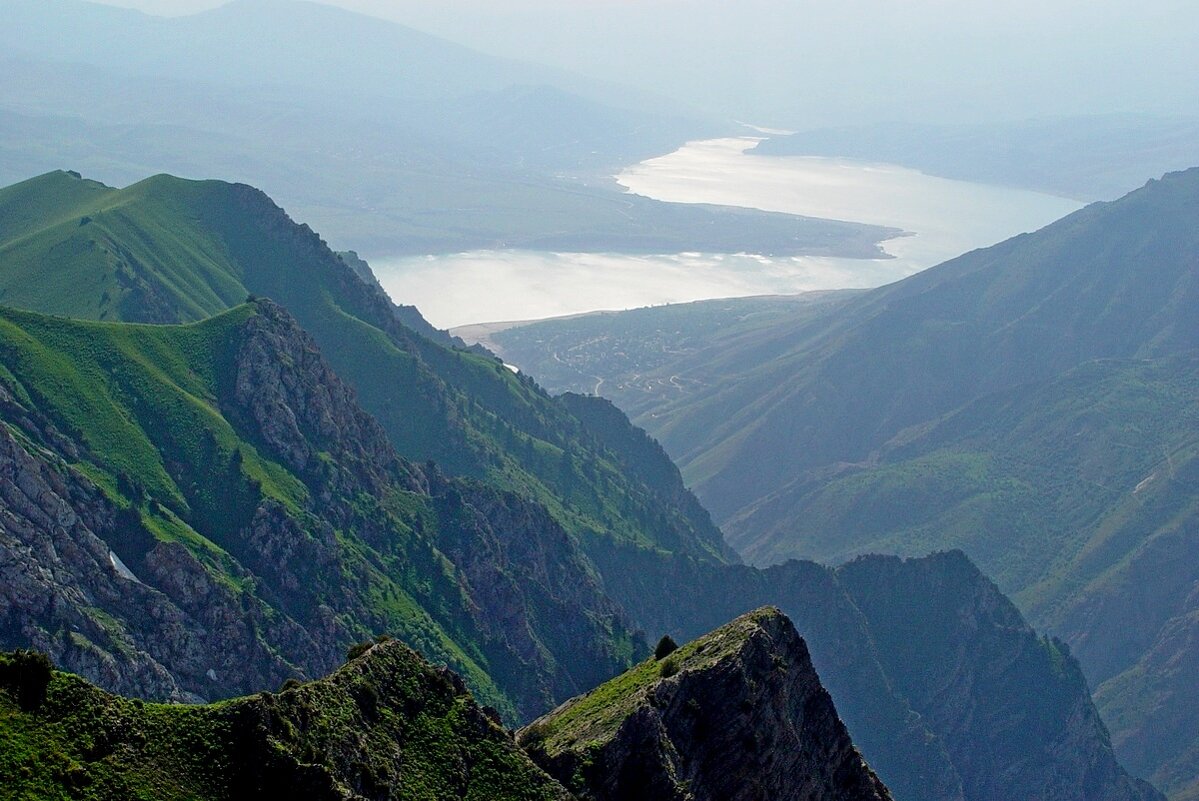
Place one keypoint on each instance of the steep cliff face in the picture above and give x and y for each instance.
(954, 698)
(736, 715)
(222, 516)
(961, 652)
(54, 564)
(385, 726)
(1153, 711)
(1032, 404)
(203, 511)
(529, 583)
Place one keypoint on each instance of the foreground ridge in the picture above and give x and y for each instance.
(387, 725)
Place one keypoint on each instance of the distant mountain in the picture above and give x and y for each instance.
(736, 715)
(401, 144)
(1089, 158)
(1055, 742)
(387, 725)
(1031, 403)
(289, 46)
(959, 699)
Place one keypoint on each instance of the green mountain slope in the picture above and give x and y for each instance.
(559, 523)
(1113, 280)
(387, 725)
(1031, 403)
(203, 510)
(1055, 738)
(1048, 485)
(169, 250)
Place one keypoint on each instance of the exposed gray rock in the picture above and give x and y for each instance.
(283, 586)
(737, 715)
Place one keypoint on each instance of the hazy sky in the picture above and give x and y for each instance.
(810, 62)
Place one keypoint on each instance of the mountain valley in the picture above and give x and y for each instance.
(685, 400)
(362, 479)
(1032, 404)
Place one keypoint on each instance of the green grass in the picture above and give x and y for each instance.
(150, 407)
(104, 242)
(170, 250)
(140, 398)
(387, 721)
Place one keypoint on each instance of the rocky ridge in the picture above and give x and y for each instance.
(972, 637)
(737, 715)
(960, 651)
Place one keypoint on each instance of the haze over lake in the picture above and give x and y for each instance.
(943, 218)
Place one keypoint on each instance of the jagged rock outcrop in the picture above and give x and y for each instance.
(944, 687)
(960, 652)
(53, 565)
(169, 630)
(260, 537)
(301, 408)
(737, 715)
(527, 578)
(911, 759)
(385, 726)
(247, 522)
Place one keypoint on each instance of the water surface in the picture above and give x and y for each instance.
(943, 218)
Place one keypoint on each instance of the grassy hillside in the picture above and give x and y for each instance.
(1035, 482)
(169, 250)
(228, 451)
(387, 725)
(1113, 280)
(103, 243)
(559, 530)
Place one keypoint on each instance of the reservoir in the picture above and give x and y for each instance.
(943, 218)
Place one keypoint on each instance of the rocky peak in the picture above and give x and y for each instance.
(737, 715)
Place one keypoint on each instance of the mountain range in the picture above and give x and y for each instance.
(227, 459)
(1032, 404)
(403, 144)
(1099, 157)
(389, 725)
